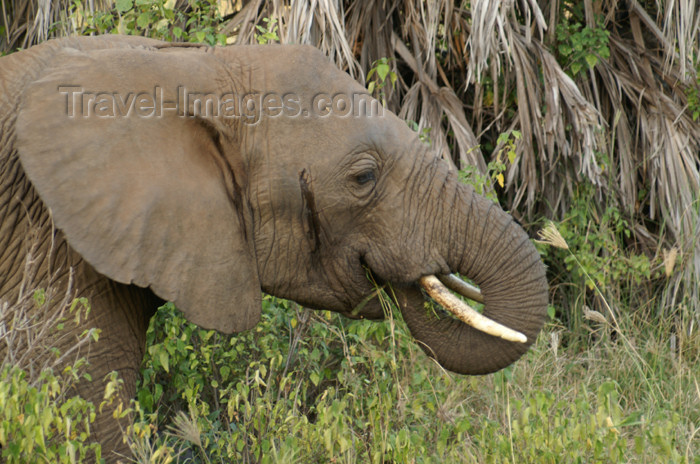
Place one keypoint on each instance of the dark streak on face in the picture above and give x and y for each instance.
(310, 211)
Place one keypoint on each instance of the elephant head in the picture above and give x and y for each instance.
(210, 174)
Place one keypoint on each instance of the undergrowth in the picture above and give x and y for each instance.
(42, 418)
(308, 386)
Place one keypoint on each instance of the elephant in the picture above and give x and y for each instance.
(207, 175)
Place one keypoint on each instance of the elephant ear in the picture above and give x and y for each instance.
(149, 196)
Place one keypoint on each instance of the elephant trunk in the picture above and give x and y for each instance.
(486, 245)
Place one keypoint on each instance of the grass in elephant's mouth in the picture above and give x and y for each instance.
(308, 386)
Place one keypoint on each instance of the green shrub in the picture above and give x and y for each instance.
(599, 262)
(39, 424)
(41, 417)
(581, 47)
(158, 19)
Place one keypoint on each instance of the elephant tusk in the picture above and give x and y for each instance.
(456, 284)
(466, 314)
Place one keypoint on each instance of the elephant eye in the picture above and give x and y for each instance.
(365, 177)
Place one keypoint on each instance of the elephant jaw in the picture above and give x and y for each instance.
(441, 294)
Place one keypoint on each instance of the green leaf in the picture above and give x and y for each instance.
(634, 418)
(575, 68)
(145, 399)
(110, 389)
(39, 297)
(315, 378)
(164, 359)
(382, 71)
(565, 49)
(143, 20)
(592, 60)
(123, 5)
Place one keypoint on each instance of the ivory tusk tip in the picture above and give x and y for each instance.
(517, 337)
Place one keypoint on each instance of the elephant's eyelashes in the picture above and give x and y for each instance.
(365, 177)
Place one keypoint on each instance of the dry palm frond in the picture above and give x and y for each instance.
(433, 101)
(242, 25)
(571, 121)
(323, 26)
(426, 102)
(28, 22)
(656, 143)
(491, 25)
(681, 26)
(318, 22)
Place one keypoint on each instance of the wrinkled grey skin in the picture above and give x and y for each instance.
(207, 210)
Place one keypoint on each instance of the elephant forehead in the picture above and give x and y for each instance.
(298, 83)
(286, 67)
